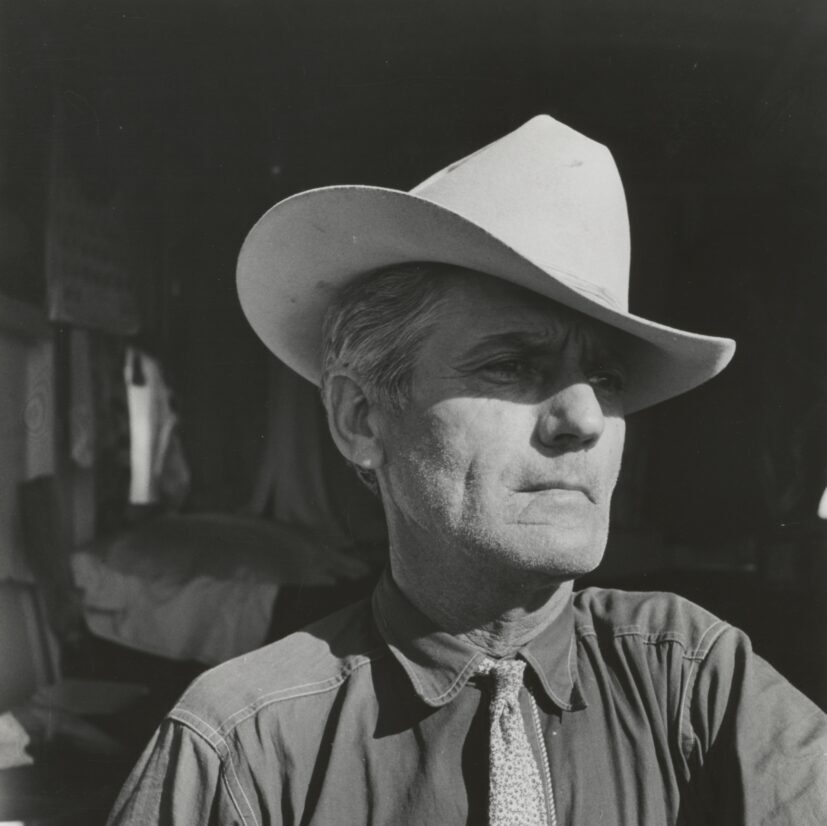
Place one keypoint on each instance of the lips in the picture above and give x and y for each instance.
(547, 486)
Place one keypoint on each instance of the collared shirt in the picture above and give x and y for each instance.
(649, 709)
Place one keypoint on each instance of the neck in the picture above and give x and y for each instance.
(498, 614)
(506, 635)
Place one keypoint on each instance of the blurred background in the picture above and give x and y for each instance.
(168, 494)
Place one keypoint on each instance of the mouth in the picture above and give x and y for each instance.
(557, 486)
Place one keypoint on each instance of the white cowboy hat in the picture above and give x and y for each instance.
(543, 207)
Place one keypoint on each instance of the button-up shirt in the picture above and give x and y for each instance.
(648, 710)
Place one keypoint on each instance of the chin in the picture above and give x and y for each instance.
(559, 555)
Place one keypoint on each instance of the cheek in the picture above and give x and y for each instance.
(439, 446)
(474, 435)
(454, 445)
(615, 437)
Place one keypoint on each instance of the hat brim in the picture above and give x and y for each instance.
(306, 247)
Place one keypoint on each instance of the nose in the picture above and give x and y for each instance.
(572, 418)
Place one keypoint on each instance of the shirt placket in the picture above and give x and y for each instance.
(545, 767)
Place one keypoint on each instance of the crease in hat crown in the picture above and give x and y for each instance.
(551, 193)
(542, 207)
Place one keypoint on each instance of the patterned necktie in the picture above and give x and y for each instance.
(515, 793)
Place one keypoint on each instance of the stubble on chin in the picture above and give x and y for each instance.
(504, 547)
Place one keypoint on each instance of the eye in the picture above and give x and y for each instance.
(609, 381)
(508, 369)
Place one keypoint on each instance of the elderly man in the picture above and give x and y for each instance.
(477, 359)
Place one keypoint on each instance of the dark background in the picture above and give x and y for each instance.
(206, 113)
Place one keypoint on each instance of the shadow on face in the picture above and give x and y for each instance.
(509, 447)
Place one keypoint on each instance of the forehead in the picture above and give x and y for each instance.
(479, 307)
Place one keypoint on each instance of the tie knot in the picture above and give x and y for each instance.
(508, 676)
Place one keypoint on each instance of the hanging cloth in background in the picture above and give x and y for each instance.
(159, 471)
(111, 434)
(82, 436)
(81, 400)
(304, 481)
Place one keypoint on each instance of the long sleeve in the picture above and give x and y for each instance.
(179, 781)
(760, 745)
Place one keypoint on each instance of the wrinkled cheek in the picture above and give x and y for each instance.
(423, 480)
(448, 454)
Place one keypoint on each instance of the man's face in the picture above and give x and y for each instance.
(508, 452)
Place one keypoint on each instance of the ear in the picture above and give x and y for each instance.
(353, 420)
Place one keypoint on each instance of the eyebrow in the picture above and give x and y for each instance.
(596, 344)
(521, 341)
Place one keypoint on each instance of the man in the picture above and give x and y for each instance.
(477, 359)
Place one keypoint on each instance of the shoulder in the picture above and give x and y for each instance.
(651, 617)
(312, 662)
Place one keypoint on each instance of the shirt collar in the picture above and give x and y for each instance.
(439, 664)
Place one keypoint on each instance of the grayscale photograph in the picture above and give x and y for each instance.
(413, 413)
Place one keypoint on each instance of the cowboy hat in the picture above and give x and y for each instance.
(542, 207)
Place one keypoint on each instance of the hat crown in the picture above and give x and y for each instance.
(554, 195)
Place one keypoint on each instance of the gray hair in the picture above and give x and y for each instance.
(376, 326)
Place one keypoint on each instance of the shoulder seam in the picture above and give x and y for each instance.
(202, 728)
(235, 719)
(700, 652)
(218, 746)
(686, 735)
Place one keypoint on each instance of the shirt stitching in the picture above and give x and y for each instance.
(222, 752)
(231, 765)
(218, 742)
(686, 732)
(700, 652)
(651, 637)
(695, 655)
(460, 678)
(563, 704)
(657, 637)
(318, 687)
(200, 727)
(453, 688)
